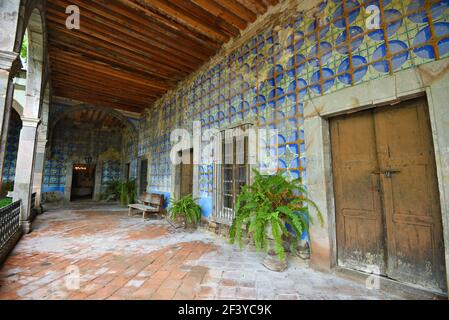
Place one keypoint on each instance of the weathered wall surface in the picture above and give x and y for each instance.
(12, 145)
(266, 76)
(70, 142)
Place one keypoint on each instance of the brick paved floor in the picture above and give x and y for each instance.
(121, 257)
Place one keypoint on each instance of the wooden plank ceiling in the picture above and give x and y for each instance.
(98, 118)
(128, 53)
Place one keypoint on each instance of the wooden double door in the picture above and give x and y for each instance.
(388, 212)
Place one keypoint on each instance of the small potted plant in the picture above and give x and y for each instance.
(265, 209)
(186, 209)
(124, 191)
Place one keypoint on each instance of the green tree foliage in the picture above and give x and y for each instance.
(24, 48)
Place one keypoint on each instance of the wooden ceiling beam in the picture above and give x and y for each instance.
(270, 2)
(108, 48)
(111, 60)
(220, 11)
(56, 46)
(256, 6)
(122, 95)
(79, 77)
(98, 102)
(135, 34)
(117, 93)
(173, 13)
(166, 22)
(116, 13)
(88, 97)
(129, 53)
(200, 15)
(238, 9)
(117, 97)
(76, 61)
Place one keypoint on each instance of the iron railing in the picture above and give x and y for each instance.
(9, 222)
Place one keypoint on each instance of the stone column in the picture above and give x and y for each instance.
(98, 174)
(39, 160)
(68, 182)
(38, 176)
(24, 169)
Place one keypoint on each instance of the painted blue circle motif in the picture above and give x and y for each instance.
(279, 75)
(398, 59)
(393, 21)
(278, 92)
(423, 36)
(360, 67)
(326, 54)
(300, 61)
(356, 35)
(302, 88)
(292, 91)
(353, 9)
(311, 31)
(297, 38)
(437, 10)
(301, 84)
(328, 76)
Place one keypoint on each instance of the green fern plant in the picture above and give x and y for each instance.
(264, 209)
(113, 190)
(125, 191)
(186, 208)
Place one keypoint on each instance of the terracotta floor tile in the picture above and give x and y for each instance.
(164, 294)
(113, 256)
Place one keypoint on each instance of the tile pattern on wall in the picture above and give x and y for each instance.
(12, 147)
(267, 80)
(72, 143)
(111, 172)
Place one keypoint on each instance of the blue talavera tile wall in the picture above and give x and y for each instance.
(267, 80)
(71, 143)
(12, 146)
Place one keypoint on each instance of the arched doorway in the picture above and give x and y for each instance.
(34, 68)
(10, 157)
(87, 151)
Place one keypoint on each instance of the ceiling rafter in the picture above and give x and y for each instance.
(129, 53)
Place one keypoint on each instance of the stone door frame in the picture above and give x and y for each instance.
(430, 80)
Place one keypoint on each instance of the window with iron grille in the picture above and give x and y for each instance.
(232, 173)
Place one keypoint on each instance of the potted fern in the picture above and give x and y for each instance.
(265, 208)
(124, 191)
(186, 209)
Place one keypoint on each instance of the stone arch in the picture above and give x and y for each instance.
(17, 107)
(80, 107)
(36, 58)
(128, 132)
(35, 66)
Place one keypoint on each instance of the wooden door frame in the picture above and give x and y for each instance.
(428, 80)
(139, 172)
(176, 176)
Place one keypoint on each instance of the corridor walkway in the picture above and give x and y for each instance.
(120, 257)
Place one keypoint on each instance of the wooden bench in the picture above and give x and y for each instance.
(148, 203)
